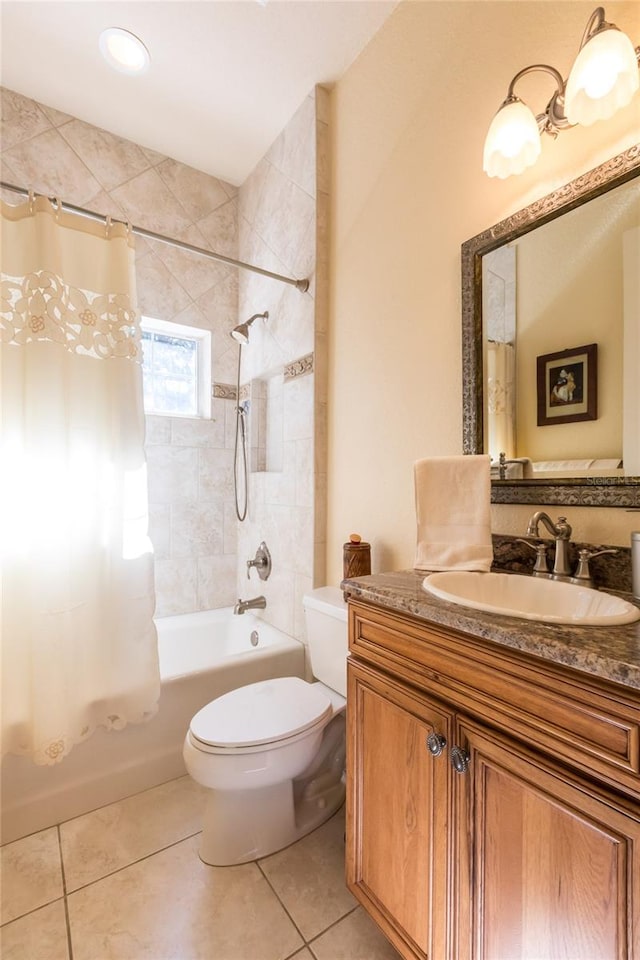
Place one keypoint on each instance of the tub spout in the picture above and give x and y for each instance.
(258, 603)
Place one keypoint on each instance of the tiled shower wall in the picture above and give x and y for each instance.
(282, 208)
(282, 218)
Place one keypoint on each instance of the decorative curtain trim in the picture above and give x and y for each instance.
(41, 306)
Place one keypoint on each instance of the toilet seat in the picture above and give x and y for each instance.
(268, 713)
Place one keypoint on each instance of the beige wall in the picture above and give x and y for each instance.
(569, 304)
(409, 119)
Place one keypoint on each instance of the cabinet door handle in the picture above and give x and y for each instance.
(459, 759)
(436, 744)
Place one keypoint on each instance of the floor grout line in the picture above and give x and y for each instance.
(307, 944)
(64, 894)
(332, 925)
(125, 866)
(275, 893)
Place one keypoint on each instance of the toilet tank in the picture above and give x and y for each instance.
(326, 617)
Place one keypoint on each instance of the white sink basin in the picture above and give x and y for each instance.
(531, 598)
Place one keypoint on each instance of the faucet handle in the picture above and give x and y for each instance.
(541, 567)
(583, 572)
(589, 556)
(261, 561)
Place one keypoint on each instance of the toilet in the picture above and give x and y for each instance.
(272, 753)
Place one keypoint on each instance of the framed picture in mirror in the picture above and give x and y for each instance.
(567, 385)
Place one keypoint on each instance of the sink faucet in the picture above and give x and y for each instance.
(561, 532)
(258, 603)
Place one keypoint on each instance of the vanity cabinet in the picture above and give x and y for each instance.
(528, 848)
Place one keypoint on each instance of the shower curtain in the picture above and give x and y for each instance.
(501, 407)
(79, 645)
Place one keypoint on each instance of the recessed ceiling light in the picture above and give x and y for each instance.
(123, 50)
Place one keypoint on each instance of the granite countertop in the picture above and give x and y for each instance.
(611, 652)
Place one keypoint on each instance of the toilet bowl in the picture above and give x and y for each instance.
(272, 753)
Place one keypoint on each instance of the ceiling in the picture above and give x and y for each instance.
(225, 75)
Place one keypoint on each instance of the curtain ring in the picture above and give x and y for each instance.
(57, 207)
(107, 224)
(32, 201)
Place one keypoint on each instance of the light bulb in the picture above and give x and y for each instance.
(603, 78)
(513, 141)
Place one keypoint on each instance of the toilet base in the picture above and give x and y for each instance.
(244, 825)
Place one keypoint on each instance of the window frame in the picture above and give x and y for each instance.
(202, 340)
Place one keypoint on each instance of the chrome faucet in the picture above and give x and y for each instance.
(258, 603)
(561, 532)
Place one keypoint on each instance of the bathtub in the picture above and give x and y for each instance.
(202, 656)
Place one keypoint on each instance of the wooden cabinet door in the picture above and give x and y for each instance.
(549, 867)
(398, 812)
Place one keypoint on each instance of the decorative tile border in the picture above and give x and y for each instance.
(299, 367)
(223, 391)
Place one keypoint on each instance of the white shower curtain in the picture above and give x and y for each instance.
(501, 406)
(79, 646)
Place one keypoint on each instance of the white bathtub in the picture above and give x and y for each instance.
(202, 655)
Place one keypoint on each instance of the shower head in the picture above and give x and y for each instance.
(241, 332)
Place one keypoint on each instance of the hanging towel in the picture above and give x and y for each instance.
(453, 510)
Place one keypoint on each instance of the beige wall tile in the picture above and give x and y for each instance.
(22, 119)
(160, 530)
(160, 295)
(186, 432)
(176, 586)
(220, 229)
(31, 873)
(150, 204)
(283, 216)
(197, 528)
(215, 474)
(41, 935)
(173, 474)
(111, 159)
(200, 194)
(298, 408)
(216, 582)
(157, 430)
(293, 153)
(47, 164)
(173, 905)
(194, 272)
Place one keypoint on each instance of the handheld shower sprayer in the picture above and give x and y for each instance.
(241, 335)
(241, 332)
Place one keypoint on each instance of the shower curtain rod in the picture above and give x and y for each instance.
(301, 285)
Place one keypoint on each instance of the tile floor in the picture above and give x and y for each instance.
(125, 883)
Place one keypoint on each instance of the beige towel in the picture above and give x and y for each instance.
(453, 509)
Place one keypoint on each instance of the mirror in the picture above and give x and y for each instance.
(592, 196)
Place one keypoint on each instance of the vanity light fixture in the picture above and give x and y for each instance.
(604, 78)
(124, 51)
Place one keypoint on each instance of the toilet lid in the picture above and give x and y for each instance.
(263, 712)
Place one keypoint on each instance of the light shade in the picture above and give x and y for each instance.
(603, 78)
(513, 140)
(123, 50)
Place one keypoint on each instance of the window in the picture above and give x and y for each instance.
(176, 369)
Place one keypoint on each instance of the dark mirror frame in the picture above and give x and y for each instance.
(592, 492)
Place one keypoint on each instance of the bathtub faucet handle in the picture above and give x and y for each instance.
(261, 561)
